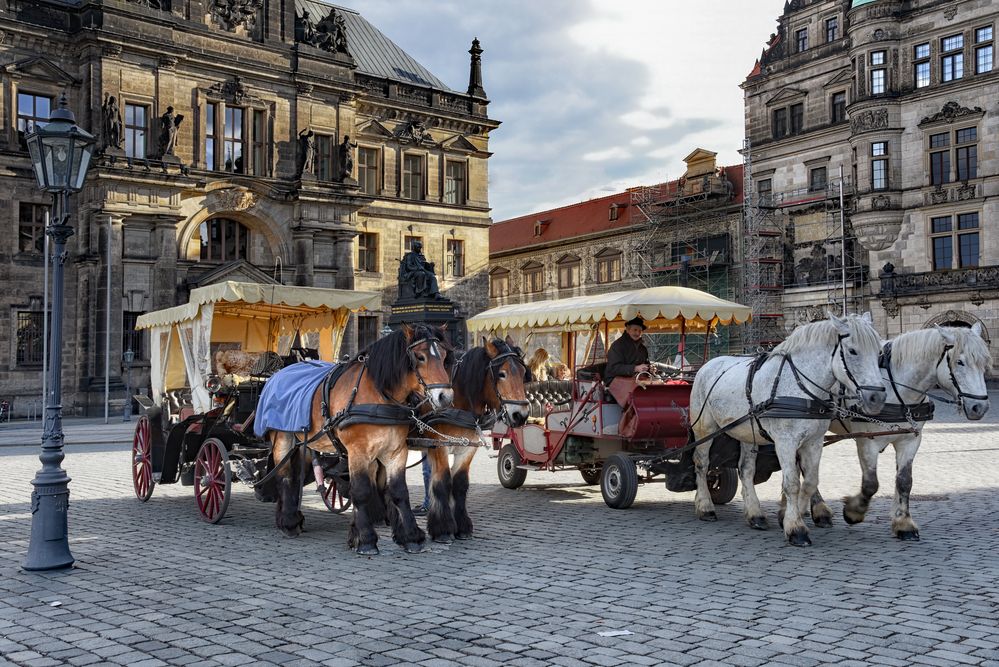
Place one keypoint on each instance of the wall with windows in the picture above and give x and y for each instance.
(916, 135)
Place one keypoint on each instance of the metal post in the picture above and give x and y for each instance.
(45, 315)
(128, 356)
(107, 330)
(842, 236)
(49, 546)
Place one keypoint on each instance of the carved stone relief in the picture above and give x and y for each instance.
(230, 14)
(950, 113)
(872, 119)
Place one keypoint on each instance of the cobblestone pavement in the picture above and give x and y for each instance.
(550, 569)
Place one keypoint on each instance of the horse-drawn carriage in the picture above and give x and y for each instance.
(210, 360)
(615, 431)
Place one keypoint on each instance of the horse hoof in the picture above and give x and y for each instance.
(367, 550)
(908, 535)
(707, 516)
(799, 538)
(291, 531)
(414, 547)
(463, 536)
(822, 521)
(758, 523)
(446, 538)
(852, 518)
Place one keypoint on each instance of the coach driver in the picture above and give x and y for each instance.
(628, 355)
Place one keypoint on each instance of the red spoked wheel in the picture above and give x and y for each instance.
(142, 460)
(334, 497)
(212, 480)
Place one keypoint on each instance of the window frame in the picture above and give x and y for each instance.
(32, 119)
(367, 252)
(454, 258)
(920, 60)
(534, 277)
(130, 338)
(812, 186)
(36, 225)
(878, 77)
(254, 137)
(969, 159)
(952, 59)
(410, 178)
(880, 172)
(954, 237)
(324, 160)
(455, 189)
(570, 267)
(796, 118)
(832, 29)
(366, 172)
(779, 120)
(134, 129)
(242, 242)
(984, 45)
(608, 266)
(499, 277)
(767, 198)
(801, 40)
(837, 112)
(37, 343)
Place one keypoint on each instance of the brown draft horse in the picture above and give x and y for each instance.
(408, 362)
(488, 383)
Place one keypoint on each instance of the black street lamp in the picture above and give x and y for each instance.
(60, 155)
(128, 356)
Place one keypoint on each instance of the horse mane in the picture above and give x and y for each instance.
(470, 375)
(926, 346)
(824, 334)
(387, 359)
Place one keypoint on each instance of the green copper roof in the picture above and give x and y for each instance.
(858, 3)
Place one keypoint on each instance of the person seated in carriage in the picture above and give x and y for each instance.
(628, 355)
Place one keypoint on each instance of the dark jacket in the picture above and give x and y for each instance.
(624, 354)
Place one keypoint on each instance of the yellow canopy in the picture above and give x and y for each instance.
(663, 309)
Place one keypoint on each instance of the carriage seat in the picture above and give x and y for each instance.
(555, 392)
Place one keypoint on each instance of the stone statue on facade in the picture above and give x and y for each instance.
(307, 141)
(416, 276)
(111, 137)
(345, 157)
(169, 122)
(305, 29)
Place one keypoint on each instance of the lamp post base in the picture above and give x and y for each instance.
(49, 546)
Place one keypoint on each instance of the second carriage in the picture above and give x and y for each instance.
(618, 432)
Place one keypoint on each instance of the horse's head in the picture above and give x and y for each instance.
(855, 360)
(504, 383)
(427, 375)
(961, 368)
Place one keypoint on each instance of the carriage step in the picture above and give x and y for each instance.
(525, 466)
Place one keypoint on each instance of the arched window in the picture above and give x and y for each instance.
(224, 240)
(568, 272)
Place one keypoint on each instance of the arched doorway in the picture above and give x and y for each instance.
(957, 318)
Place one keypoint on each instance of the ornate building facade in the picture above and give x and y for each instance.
(902, 97)
(253, 140)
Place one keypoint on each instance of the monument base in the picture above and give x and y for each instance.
(433, 312)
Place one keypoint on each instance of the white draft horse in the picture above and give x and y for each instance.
(488, 383)
(407, 362)
(952, 358)
(807, 365)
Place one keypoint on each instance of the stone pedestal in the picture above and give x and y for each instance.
(435, 312)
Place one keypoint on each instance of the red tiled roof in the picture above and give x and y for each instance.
(582, 219)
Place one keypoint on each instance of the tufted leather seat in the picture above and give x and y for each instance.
(558, 393)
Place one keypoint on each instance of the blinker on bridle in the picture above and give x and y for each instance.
(961, 395)
(435, 353)
(494, 364)
(849, 373)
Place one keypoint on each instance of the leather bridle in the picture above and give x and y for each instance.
(434, 351)
(961, 394)
(849, 373)
(494, 365)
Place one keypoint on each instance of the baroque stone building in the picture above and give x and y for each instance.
(252, 140)
(902, 97)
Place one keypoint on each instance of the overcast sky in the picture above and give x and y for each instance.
(594, 95)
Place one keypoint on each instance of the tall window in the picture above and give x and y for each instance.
(367, 170)
(130, 338)
(232, 138)
(779, 123)
(260, 162)
(801, 39)
(568, 272)
(817, 179)
(136, 127)
(367, 331)
(455, 258)
(31, 227)
(940, 159)
(30, 342)
(797, 118)
(210, 136)
(609, 266)
(412, 177)
(499, 283)
(879, 75)
(367, 252)
(533, 277)
(454, 183)
(952, 58)
(879, 165)
(983, 50)
(324, 157)
(408, 241)
(832, 29)
(921, 65)
(224, 240)
(839, 107)
(32, 110)
(945, 238)
(764, 188)
(966, 152)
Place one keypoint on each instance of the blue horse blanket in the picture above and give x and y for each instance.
(286, 402)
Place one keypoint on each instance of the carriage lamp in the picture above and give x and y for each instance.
(128, 356)
(60, 154)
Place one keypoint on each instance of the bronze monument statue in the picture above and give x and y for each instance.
(416, 276)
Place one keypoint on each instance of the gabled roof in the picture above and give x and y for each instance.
(374, 53)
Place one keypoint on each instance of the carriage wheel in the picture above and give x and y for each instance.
(723, 483)
(142, 460)
(619, 482)
(333, 495)
(212, 480)
(591, 474)
(510, 476)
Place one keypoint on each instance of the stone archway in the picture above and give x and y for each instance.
(957, 318)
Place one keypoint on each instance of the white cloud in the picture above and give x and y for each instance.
(615, 153)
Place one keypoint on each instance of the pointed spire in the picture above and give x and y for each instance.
(475, 88)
